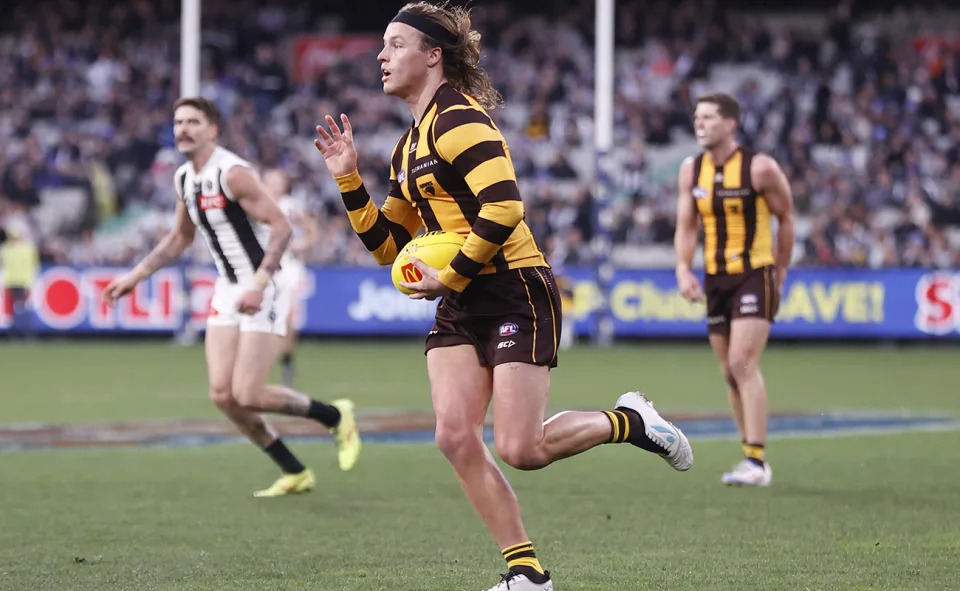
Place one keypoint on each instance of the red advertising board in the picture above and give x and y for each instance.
(314, 54)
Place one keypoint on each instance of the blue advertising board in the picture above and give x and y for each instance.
(816, 303)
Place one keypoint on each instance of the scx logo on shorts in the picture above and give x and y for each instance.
(748, 303)
(508, 328)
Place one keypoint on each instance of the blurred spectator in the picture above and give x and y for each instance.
(21, 263)
(268, 80)
(864, 117)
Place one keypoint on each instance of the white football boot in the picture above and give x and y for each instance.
(676, 449)
(746, 473)
(514, 581)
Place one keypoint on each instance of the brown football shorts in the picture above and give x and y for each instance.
(510, 316)
(751, 294)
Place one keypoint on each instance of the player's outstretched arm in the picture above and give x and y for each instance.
(383, 231)
(165, 252)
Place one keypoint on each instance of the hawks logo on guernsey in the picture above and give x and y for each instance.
(233, 241)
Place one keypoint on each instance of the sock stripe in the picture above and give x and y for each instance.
(515, 547)
(518, 551)
(522, 555)
(626, 424)
(619, 425)
(531, 562)
(517, 554)
(754, 451)
(615, 425)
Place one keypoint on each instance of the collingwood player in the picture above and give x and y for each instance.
(305, 236)
(220, 194)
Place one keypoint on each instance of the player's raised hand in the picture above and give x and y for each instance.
(337, 148)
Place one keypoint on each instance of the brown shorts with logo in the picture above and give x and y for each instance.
(751, 294)
(508, 316)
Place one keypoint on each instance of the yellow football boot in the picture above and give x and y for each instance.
(290, 484)
(346, 435)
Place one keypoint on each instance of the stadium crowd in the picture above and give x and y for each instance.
(865, 122)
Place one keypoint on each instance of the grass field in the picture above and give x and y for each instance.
(866, 512)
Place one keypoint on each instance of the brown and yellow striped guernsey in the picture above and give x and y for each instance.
(453, 172)
(736, 219)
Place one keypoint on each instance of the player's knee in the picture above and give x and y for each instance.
(741, 366)
(247, 396)
(521, 454)
(458, 443)
(221, 396)
(729, 377)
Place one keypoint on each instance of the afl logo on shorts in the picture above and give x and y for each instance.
(508, 328)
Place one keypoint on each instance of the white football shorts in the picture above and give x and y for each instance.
(272, 316)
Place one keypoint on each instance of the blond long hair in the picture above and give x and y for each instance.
(461, 60)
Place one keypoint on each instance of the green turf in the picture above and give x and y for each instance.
(95, 381)
(853, 513)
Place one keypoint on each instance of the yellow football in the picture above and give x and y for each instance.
(436, 249)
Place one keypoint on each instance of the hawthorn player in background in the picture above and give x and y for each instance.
(497, 327)
(735, 192)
